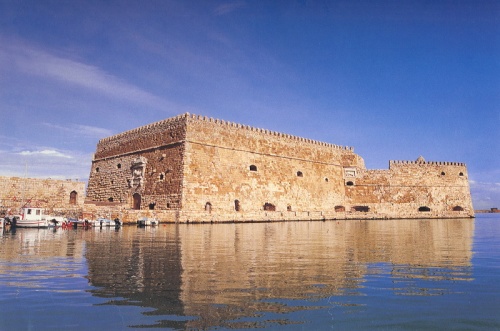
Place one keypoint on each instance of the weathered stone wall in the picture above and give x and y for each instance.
(232, 171)
(196, 169)
(412, 189)
(157, 180)
(51, 194)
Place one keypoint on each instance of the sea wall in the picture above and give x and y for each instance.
(51, 194)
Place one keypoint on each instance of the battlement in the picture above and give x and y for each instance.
(431, 163)
(187, 117)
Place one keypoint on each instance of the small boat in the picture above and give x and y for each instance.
(147, 221)
(32, 218)
(104, 222)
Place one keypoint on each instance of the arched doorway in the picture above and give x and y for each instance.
(137, 201)
(72, 197)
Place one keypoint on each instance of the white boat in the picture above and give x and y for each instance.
(147, 221)
(104, 222)
(32, 217)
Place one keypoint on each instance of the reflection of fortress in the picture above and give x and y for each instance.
(225, 271)
(190, 168)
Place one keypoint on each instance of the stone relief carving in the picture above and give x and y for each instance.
(137, 172)
(349, 172)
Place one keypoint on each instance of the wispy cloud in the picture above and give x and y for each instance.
(35, 61)
(45, 152)
(82, 130)
(228, 8)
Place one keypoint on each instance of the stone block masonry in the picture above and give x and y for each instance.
(64, 196)
(191, 168)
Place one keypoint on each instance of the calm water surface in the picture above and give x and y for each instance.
(339, 275)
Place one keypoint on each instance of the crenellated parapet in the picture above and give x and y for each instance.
(226, 124)
(433, 163)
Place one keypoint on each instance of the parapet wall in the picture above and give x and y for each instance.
(244, 138)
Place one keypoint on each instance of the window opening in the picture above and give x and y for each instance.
(236, 205)
(458, 208)
(119, 165)
(424, 208)
(288, 208)
(442, 173)
(253, 168)
(300, 174)
(349, 183)
(208, 207)
(339, 209)
(110, 199)
(152, 206)
(72, 197)
(361, 208)
(461, 174)
(269, 207)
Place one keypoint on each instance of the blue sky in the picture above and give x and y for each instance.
(393, 79)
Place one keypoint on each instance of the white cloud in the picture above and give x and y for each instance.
(45, 152)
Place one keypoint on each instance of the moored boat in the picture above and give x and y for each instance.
(33, 217)
(147, 221)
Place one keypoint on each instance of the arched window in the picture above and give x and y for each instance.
(349, 183)
(288, 208)
(326, 179)
(253, 168)
(461, 174)
(208, 207)
(119, 165)
(339, 209)
(300, 174)
(443, 173)
(424, 208)
(458, 208)
(97, 169)
(162, 176)
(152, 206)
(237, 205)
(72, 197)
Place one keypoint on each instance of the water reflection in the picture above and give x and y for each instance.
(232, 275)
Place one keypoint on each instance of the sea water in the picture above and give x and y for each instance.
(334, 275)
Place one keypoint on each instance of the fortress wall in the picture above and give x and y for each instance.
(162, 133)
(291, 173)
(160, 144)
(51, 194)
(112, 179)
(245, 138)
(407, 186)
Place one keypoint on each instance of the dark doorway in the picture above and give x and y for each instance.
(137, 201)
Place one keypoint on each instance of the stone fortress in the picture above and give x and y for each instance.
(191, 168)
